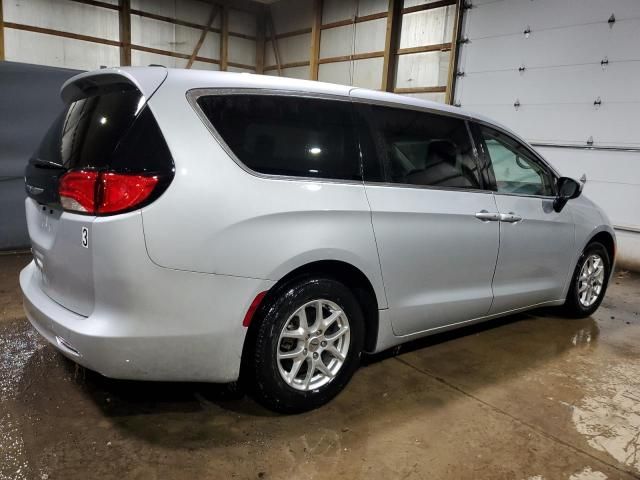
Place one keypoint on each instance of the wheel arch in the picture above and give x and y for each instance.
(350, 275)
(608, 241)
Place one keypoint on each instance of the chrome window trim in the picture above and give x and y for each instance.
(542, 197)
(425, 187)
(194, 94)
(406, 106)
(434, 111)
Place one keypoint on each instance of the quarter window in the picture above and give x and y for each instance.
(286, 135)
(422, 148)
(514, 167)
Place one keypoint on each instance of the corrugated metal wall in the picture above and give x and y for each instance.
(418, 29)
(564, 73)
(150, 33)
(43, 49)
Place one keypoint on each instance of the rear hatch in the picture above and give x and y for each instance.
(103, 155)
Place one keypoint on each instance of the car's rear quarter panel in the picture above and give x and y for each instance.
(218, 218)
(148, 322)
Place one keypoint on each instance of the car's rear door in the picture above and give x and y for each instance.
(536, 242)
(105, 120)
(435, 225)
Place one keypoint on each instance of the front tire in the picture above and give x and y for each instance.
(307, 345)
(589, 282)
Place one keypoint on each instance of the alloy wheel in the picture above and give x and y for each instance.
(590, 280)
(313, 345)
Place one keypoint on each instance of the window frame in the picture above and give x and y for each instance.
(194, 94)
(381, 161)
(476, 129)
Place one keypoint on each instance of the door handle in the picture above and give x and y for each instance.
(510, 217)
(487, 216)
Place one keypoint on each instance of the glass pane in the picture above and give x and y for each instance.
(426, 149)
(287, 135)
(515, 170)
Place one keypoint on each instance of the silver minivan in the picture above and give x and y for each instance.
(205, 226)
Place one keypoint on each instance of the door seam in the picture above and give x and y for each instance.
(495, 266)
(375, 240)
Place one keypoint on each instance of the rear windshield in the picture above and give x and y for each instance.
(285, 135)
(88, 131)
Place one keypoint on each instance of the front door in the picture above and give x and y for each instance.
(536, 242)
(431, 217)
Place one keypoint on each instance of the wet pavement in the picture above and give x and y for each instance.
(530, 397)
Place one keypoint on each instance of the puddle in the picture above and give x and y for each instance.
(585, 474)
(588, 474)
(18, 342)
(609, 416)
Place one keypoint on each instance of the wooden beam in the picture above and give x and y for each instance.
(274, 42)
(244, 66)
(260, 41)
(1, 33)
(60, 33)
(355, 56)
(97, 3)
(439, 47)
(428, 6)
(314, 54)
(242, 35)
(203, 34)
(351, 21)
(391, 45)
(438, 89)
(174, 21)
(124, 20)
(250, 6)
(184, 23)
(455, 52)
(169, 53)
(304, 63)
(224, 40)
(293, 33)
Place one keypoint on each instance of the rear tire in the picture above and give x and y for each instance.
(589, 282)
(307, 345)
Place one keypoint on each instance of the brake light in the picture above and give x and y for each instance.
(118, 192)
(78, 191)
(103, 193)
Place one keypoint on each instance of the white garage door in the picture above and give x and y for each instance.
(564, 74)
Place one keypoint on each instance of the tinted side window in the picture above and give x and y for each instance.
(514, 168)
(283, 135)
(425, 149)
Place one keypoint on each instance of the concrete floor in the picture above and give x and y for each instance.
(530, 397)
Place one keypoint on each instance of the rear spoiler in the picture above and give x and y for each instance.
(145, 79)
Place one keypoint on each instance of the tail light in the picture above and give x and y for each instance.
(104, 193)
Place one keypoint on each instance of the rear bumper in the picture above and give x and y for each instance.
(188, 327)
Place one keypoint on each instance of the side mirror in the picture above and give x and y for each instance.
(568, 188)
